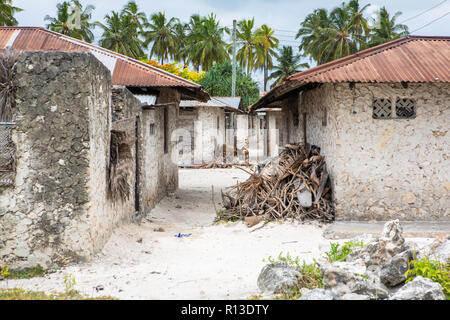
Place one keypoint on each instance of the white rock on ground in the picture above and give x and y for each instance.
(276, 277)
(419, 289)
(319, 294)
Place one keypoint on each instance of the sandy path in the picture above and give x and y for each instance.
(215, 262)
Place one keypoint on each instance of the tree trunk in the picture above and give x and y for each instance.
(265, 73)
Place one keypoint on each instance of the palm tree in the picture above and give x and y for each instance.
(209, 47)
(288, 64)
(326, 37)
(139, 19)
(386, 29)
(194, 28)
(245, 35)
(66, 22)
(162, 34)
(7, 11)
(311, 34)
(340, 41)
(119, 35)
(266, 44)
(359, 23)
(182, 52)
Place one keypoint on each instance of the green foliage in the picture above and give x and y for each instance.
(70, 282)
(340, 253)
(25, 273)
(288, 64)
(266, 43)
(121, 34)
(432, 269)
(217, 82)
(161, 33)
(66, 24)
(326, 36)
(22, 294)
(206, 45)
(4, 271)
(7, 12)
(310, 275)
(386, 29)
(219, 213)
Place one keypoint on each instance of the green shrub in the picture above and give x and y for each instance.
(340, 253)
(310, 275)
(22, 294)
(4, 271)
(432, 269)
(25, 273)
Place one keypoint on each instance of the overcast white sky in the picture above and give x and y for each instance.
(282, 15)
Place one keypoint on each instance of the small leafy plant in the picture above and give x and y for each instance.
(340, 253)
(219, 213)
(4, 271)
(310, 275)
(432, 269)
(70, 282)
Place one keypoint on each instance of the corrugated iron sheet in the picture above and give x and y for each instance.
(214, 102)
(125, 71)
(408, 59)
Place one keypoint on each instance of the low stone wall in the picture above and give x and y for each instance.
(383, 169)
(58, 210)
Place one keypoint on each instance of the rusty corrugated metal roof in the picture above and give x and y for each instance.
(125, 71)
(408, 59)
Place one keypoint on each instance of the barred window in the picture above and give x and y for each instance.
(7, 155)
(404, 108)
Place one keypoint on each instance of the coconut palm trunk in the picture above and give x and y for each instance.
(266, 75)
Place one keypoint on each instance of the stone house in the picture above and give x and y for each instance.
(207, 130)
(381, 118)
(265, 133)
(86, 150)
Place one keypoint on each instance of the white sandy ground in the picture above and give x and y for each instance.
(215, 262)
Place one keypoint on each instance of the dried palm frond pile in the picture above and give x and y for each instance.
(214, 164)
(293, 185)
(7, 85)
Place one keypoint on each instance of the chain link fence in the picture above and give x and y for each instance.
(7, 156)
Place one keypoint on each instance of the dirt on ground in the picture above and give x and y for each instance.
(205, 260)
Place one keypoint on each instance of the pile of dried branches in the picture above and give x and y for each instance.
(7, 86)
(274, 188)
(216, 163)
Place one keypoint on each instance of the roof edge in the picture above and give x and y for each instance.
(107, 51)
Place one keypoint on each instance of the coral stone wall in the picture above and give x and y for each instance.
(273, 119)
(185, 129)
(208, 137)
(57, 211)
(383, 169)
(125, 110)
(158, 173)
